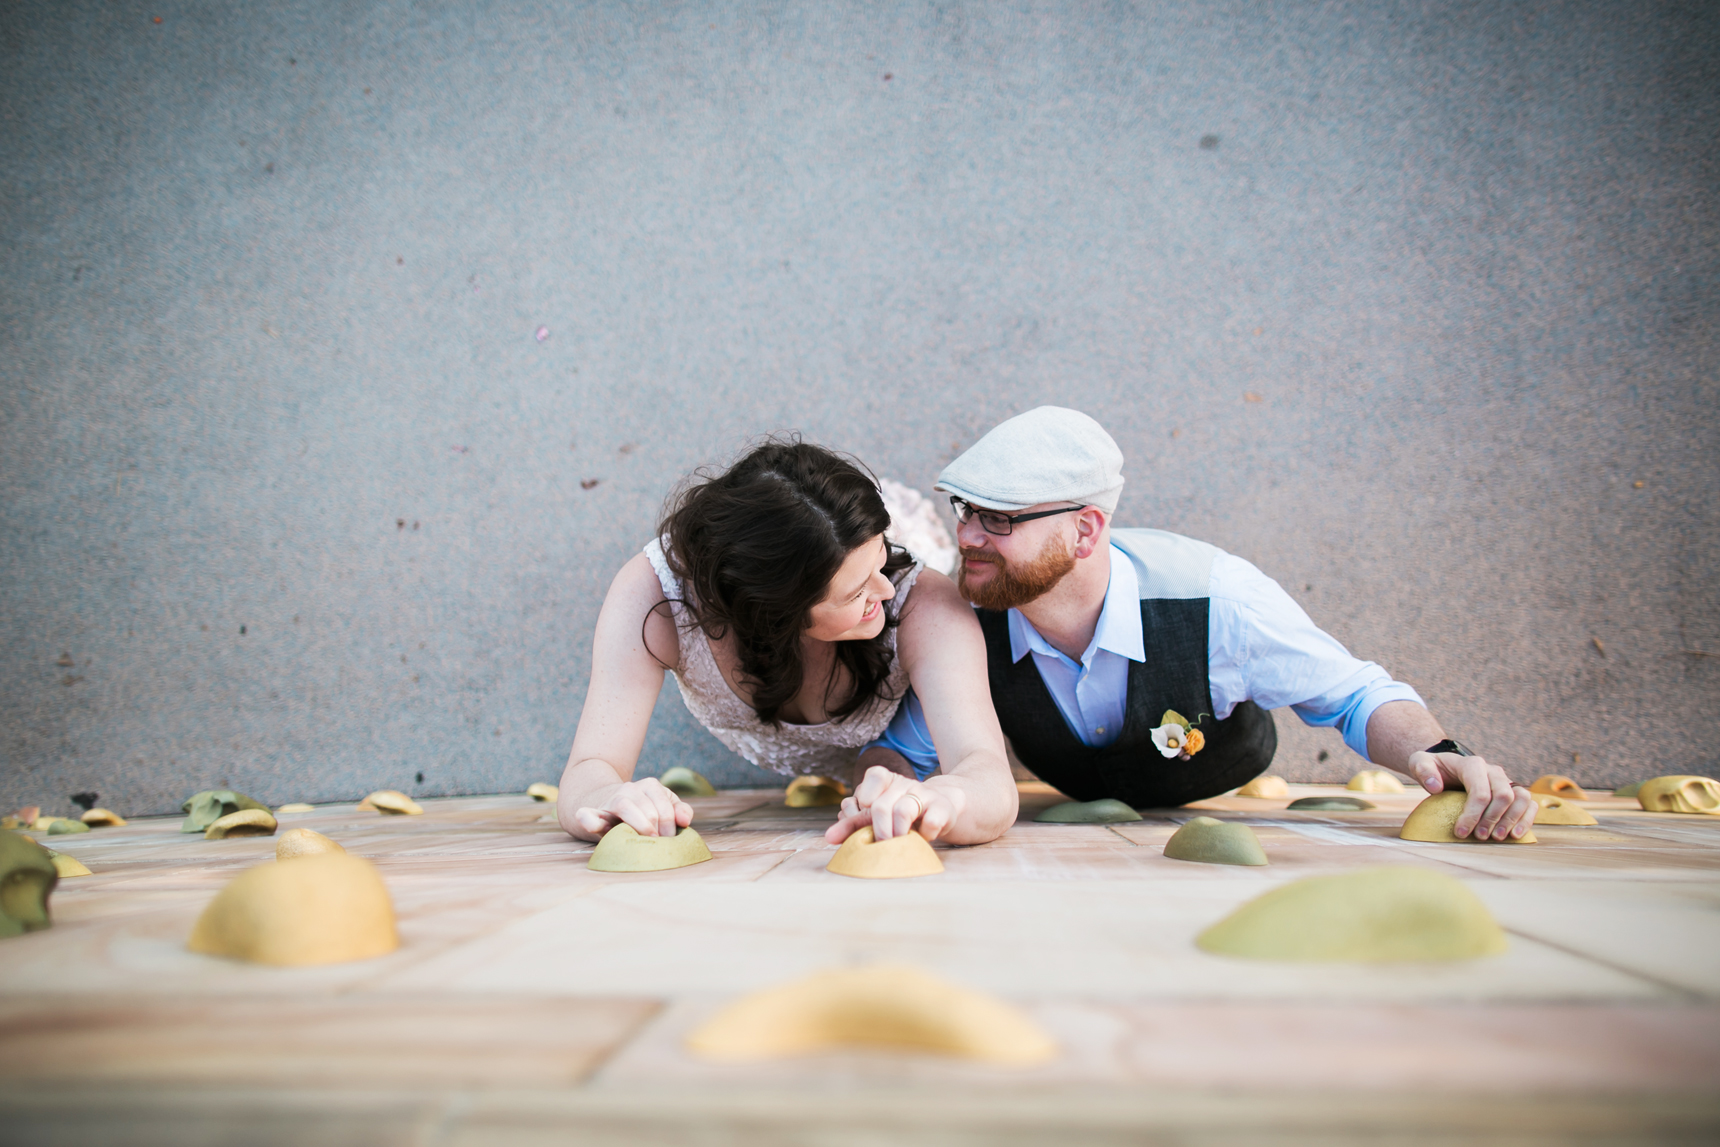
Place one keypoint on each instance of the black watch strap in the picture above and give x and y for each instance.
(1450, 746)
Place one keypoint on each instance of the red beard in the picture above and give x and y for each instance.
(1014, 585)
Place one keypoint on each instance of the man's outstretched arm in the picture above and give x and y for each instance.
(1399, 733)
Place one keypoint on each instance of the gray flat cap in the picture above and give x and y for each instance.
(1049, 454)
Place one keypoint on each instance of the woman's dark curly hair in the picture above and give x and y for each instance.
(755, 548)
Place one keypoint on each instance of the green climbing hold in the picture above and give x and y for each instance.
(27, 876)
(684, 782)
(205, 808)
(1346, 804)
(1208, 841)
(1107, 811)
(1629, 790)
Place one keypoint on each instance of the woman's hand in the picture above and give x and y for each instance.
(645, 804)
(895, 805)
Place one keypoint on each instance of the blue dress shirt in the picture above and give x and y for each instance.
(1261, 646)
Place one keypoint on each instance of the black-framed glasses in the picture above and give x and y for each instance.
(994, 522)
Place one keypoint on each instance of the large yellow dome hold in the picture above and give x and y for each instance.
(1431, 822)
(315, 910)
(886, 1007)
(1377, 915)
(869, 858)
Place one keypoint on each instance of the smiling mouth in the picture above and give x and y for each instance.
(873, 612)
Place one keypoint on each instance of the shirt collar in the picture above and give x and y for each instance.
(1119, 628)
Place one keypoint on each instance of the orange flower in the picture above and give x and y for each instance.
(1194, 742)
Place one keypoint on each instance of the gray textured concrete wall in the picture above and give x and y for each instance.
(1413, 305)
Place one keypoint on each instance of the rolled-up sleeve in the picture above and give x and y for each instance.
(1264, 648)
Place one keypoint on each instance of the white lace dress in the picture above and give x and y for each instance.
(827, 749)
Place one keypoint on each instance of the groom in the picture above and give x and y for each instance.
(1095, 636)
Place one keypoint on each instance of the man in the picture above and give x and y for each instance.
(1095, 636)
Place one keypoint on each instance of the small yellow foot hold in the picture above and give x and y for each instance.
(391, 802)
(1208, 841)
(68, 866)
(1557, 810)
(885, 1007)
(1554, 785)
(1376, 915)
(1106, 811)
(316, 910)
(27, 876)
(814, 792)
(1374, 781)
(1681, 794)
(1268, 787)
(684, 782)
(623, 850)
(296, 806)
(543, 792)
(245, 822)
(865, 856)
(1431, 822)
(296, 842)
(1333, 804)
(103, 818)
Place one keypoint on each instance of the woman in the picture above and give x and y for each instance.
(794, 630)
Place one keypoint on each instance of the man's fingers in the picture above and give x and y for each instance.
(1521, 814)
(1424, 767)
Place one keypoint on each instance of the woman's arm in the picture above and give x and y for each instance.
(973, 798)
(597, 789)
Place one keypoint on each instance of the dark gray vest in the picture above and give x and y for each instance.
(1174, 676)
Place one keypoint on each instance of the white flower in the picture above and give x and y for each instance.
(1169, 739)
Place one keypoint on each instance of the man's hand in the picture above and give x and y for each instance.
(645, 804)
(895, 805)
(1495, 808)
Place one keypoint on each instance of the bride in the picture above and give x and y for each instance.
(794, 630)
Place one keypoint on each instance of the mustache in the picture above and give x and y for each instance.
(970, 555)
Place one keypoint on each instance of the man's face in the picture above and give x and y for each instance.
(1010, 571)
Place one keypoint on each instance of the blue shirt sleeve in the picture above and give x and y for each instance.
(909, 736)
(1265, 648)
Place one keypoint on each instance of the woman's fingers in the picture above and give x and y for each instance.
(594, 821)
(939, 813)
(848, 825)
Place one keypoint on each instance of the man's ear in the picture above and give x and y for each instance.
(1089, 531)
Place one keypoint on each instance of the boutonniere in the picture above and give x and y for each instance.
(1176, 737)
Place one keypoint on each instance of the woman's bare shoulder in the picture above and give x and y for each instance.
(935, 596)
(636, 603)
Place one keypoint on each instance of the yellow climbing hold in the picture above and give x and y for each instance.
(886, 1007)
(1375, 915)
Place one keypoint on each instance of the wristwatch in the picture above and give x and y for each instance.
(1450, 746)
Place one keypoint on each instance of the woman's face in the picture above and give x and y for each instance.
(853, 605)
